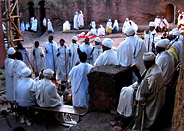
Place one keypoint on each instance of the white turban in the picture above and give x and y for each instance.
(11, 51)
(107, 42)
(152, 24)
(129, 30)
(176, 33)
(149, 56)
(74, 38)
(97, 39)
(163, 43)
(48, 72)
(26, 71)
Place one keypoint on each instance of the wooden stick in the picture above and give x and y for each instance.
(13, 7)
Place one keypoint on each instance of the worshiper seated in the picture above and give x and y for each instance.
(24, 96)
(92, 32)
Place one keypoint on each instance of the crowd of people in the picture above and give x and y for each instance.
(155, 58)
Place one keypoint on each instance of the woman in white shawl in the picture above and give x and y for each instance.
(50, 28)
(115, 27)
(75, 21)
(81, 20)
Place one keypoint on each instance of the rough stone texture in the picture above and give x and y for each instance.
(105, 84)
(140, 11)
(178, 116)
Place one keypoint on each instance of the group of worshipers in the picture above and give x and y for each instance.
(161, 24)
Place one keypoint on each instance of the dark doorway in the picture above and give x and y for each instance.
(170, 13)
(42, 14)
(31, 10)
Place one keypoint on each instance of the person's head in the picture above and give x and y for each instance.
(152, 26)
(129, 31)
(107, 44)
(163, 17)
(170, 37)
(36, 44)
(74, 39)
(62, 42)
(18, 56)
(19, 45)
(83, 57)
(41, 76)
(11, 53)
(158, 16)
(162, 45)
(51, 38)
(48, 73)
(149, 59)
(97, 41)
(26, 72)
(86, 40)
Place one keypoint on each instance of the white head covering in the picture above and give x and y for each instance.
(129, 30)
(126, 19)
(26, 71)
(149, 56)
(110, 20)
(11, 51)
(163, 43)
(176, 32)
(97, 39)
(152, 24)
(74, 38)
(107, 42)
(48, 72)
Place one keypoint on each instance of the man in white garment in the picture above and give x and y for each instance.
(27, 26)
(109, 27)
(18, 66)
(81, 20)
(92, 32)
(46, 92)
(37, 58)
(50, 54)
(22, 26)
(115, 28)
(129, 23)
(101, 30)
(108, 57)
(164, 24)
(50, 28)
(75, 21)
(151, 82)
(97, 50)
(24, 95)
(164, 59)
(157, 23)
(34, 25)
(62, 61)
(74, 57)
(9, 62)
(44, 22)
(66, 26)
(87, 48)
(80, 83)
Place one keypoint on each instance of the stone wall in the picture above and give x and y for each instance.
(140, 11)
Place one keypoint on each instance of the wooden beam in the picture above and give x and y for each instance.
(15, 40)
(16, 28)
(13, 8)
(15, 16)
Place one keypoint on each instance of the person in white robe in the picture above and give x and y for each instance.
(37, 58)
(109, 27)
(87, 48)
(129, 23)
(97, 50)
(45, 91)
(44, 22)
(80, 83)
(18, 66)
(66, 26)
(8, 63)
(62, 61)
(93, 24)
(34, 25)
(150, 84)
(73, 52)
(157, 23)
(22, 26)
(108, 57)
(81, 20)
(27, 26)
(50, 54)
(92, 32)
(164, 25)
(101, 31)
(50, 28)
(75, 21)
(115, 28)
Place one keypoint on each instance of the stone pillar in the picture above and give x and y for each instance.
(2, 47)
(37, 14)
(105, 84)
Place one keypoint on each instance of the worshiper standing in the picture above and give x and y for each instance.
(108, 57)
(129, 23)
(131, 50)
(157, 23)
(93, 24)
(9, 62)
(50, 54)
(24, 52)
(18, 66)
(81, 20)
(164, 25)
(34, 25)
(109, 27)
(80, 83)
(73, 52)
(87, 48)
(101, 30)
(27, 26)
(115, 28)
(151, 82)
(62, 61)
(75, 21)
(37, 58)
(24, 96)
(97, 50)
(22, 26)
(50, 28)
(66, 26)
(46, 92)
(44, 22)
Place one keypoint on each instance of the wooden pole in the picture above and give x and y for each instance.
(2, 47)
